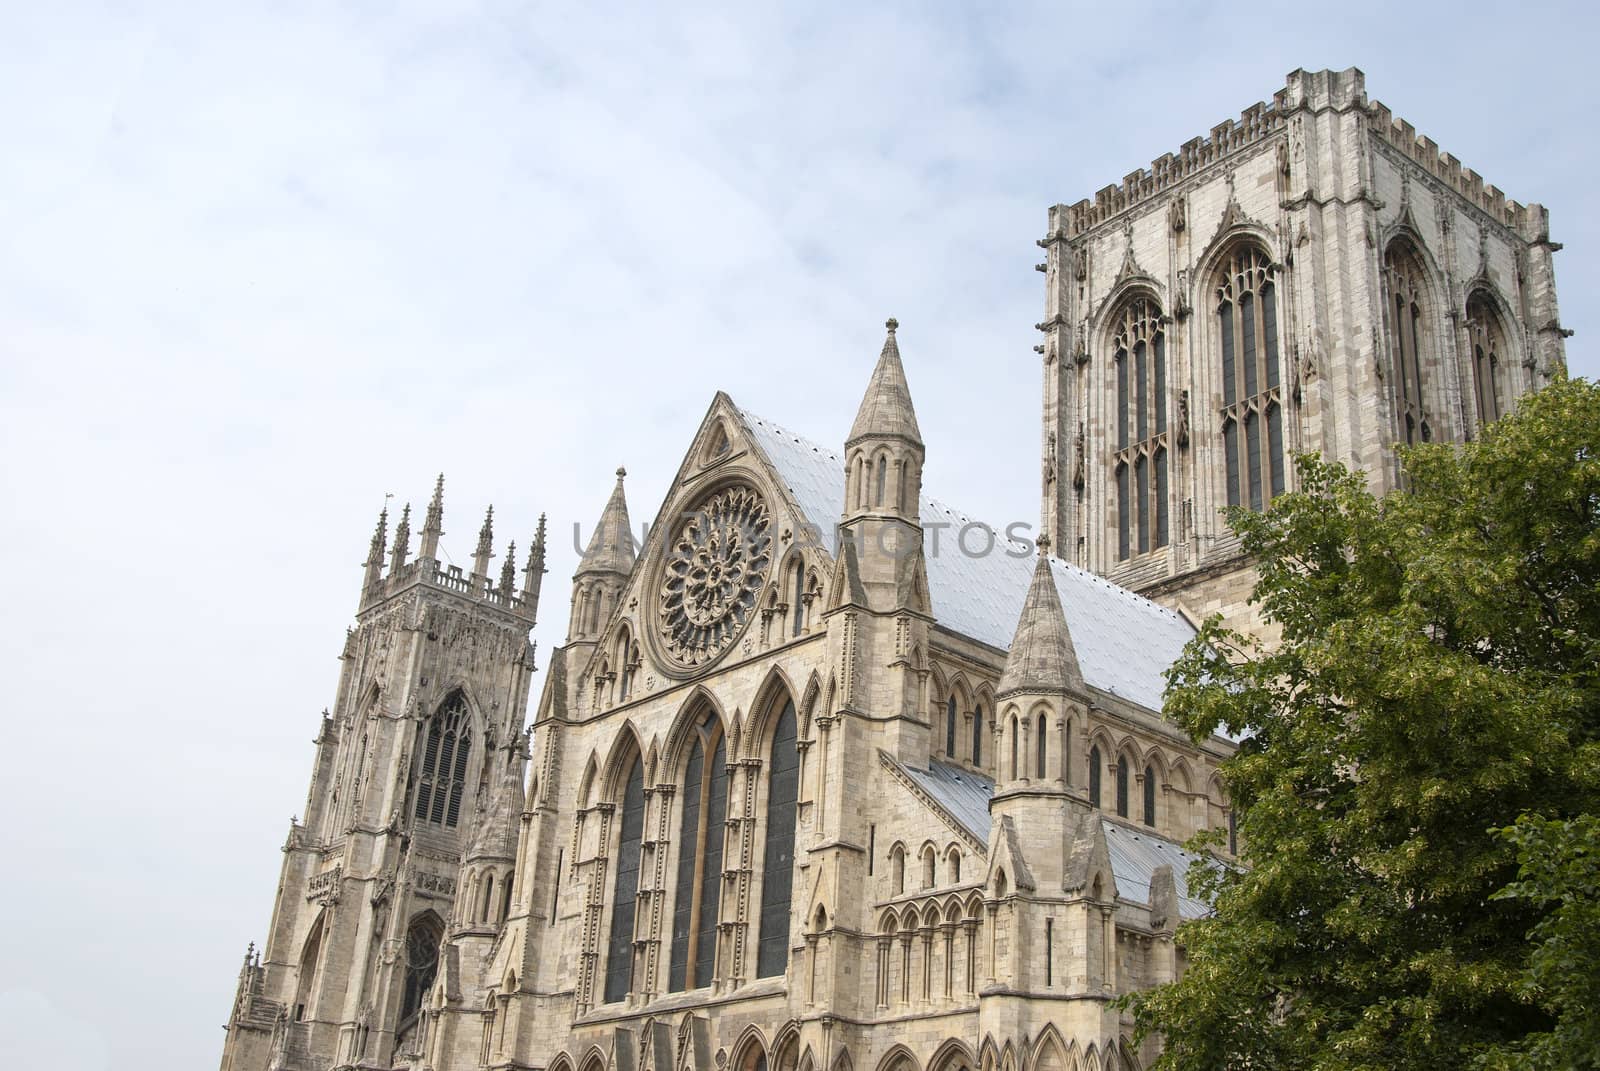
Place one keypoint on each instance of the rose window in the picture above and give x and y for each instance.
(713, 575)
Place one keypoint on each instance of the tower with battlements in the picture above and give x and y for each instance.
(1314, 276)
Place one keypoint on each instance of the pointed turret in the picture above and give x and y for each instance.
(886, 411)
(884, 453)
(1042, 658)
(484, 551)
(402, 541)
(374, 562)
(606, 563)
(433, 526)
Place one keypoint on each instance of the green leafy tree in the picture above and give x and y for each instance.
(1420, 772)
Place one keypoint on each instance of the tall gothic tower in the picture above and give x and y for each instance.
(1312, 277)
(401, 866)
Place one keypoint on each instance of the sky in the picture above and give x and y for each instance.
(261, 266)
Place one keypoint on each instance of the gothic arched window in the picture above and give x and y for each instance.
(777, 870)
(698, 897)
(1139, 343)
(447, 746)
(897, 869)
(1094, 775)
(619, 953)
(1122, 787)
(1487, 340)
(1040, 751)
(1014, 731)
(1149, 796)
(798, 608)
(1405, 293)
(950, 727)
(977, 735)
(627, 662)
(422, 962)
(1252, 394)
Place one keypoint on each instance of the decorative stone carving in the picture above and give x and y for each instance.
(1178, 215)
(715, 569)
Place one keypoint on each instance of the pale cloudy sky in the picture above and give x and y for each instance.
(260, 265)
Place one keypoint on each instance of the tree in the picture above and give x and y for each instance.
(1420, 772)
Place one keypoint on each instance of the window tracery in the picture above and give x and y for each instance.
(1139, 346)
(1252, 391)
(445, 752)
(619, 954)
(1486, 340)
(697, 899)
(713, 575)
(777, 873)
(1406, 291)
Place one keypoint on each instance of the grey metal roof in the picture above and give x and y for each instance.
(1124, 641)
(961, 792)
(1134, 858)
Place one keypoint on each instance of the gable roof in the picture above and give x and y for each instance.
(1124, 641)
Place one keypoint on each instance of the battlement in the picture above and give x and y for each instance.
(1312, 90)
(426, 572)
(1255, 123)
(1531, 221)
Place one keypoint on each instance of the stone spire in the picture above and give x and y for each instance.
(402, 541)
(485, 549)
(533, 572)
(374, 562)
(886, 411)
(1042, 658)
(597, 585)
(611, 549)
(433, 527)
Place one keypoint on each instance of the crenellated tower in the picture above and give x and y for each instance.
(417, 774)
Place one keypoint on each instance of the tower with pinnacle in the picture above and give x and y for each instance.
(401, 864)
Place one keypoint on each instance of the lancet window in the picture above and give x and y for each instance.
(1487, 340)
(777, 873)
(698, 897)
(445, 751)
(1405, 291)
(619, 952)
(1252, 390)
(1139, 344)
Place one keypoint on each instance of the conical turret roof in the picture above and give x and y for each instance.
(611, 547)
(497, 831)
(886, 411)
(1042, 657)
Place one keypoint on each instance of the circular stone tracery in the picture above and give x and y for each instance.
(713, 575)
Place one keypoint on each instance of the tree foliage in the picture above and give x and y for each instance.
(1417, 788)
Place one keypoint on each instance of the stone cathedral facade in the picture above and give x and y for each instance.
(810, 788)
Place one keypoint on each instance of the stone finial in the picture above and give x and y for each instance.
(375, 549)
(402, 540)
(508, 571)
(533, 572)
(433, 526)
(485, 548)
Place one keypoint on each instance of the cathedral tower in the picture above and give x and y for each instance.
(1313, 276)
(418, 768)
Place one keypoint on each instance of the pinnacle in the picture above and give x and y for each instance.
(886, 411)
(1042, 657)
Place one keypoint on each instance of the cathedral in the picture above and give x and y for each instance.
(808, 788)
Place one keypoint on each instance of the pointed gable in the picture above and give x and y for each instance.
(1042, 658)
